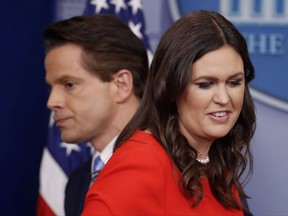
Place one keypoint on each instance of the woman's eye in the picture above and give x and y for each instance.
(204, 85)
(235, 82)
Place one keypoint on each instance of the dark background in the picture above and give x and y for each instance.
(23, 94)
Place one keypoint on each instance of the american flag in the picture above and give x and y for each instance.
(60, 159)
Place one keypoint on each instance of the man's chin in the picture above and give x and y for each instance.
(71, 140)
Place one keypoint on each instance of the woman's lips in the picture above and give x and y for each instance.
(220, 116)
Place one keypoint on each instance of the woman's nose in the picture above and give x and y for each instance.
(221, 95)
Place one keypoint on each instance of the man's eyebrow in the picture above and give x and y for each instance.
(64, 78)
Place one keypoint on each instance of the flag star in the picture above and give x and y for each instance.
(89, 145)
(70, 147)
(99, 4)
(135, 4)
(136, 28)
(118, 5)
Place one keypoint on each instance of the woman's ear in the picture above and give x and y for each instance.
(123, 80)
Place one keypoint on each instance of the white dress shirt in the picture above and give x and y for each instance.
(105, 154)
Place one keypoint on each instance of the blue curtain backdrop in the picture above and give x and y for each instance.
(23, 94)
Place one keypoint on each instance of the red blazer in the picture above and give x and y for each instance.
(140, 179)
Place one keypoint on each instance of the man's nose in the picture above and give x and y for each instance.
(55, 100)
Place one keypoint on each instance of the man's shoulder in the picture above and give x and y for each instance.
(81, 172)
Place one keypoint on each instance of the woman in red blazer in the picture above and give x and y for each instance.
(187, 146)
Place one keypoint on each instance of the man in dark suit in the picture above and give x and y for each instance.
(76, 189)
(97, 69)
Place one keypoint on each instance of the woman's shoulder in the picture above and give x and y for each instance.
(142, 147)
(143, 137)
(142, 141)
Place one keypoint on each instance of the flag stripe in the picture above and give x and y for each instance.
(53, 180)
(43, 209)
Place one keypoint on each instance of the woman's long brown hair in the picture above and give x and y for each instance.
(186, 41)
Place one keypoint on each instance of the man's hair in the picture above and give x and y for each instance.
(108, 46)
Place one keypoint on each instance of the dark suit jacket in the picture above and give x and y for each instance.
(76, 189)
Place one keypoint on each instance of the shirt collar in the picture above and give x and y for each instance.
(105, 154)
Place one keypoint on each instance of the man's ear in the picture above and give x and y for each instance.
(123, 80)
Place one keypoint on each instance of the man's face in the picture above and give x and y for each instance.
(84, 105)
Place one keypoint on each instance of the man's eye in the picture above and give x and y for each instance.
(204, 85)
(69, 84)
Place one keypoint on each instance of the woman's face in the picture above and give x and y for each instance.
(211, 103)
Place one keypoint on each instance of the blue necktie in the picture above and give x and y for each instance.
(97, 167)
